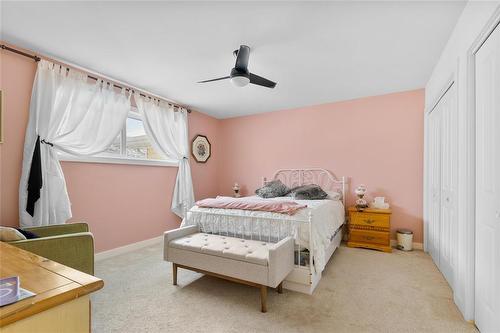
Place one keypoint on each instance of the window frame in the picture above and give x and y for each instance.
(122, 158)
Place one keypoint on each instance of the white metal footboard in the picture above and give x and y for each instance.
(266, 229)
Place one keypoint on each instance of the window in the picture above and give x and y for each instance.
(137, 143)
(131, 146)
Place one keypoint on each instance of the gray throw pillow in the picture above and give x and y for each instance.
(272, 189)
(308, 192)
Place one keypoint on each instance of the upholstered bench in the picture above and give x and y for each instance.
(255, 263)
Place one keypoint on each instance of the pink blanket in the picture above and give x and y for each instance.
(273, 206)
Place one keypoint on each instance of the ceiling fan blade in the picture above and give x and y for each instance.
(220, 78)
(242, 58)
(259, 80)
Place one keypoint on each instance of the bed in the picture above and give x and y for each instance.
(317, 229)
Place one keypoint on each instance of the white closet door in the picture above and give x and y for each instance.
(448, 210)
(434, 155)
(487, 296)
(442, 156)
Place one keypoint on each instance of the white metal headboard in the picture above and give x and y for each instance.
(318, 176)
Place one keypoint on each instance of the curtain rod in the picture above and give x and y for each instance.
(37, 59)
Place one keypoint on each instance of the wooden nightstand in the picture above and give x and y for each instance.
(370, 228)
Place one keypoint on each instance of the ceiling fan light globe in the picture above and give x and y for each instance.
(240, 81)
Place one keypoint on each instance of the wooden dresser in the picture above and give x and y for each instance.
(62, 302)
(370, 228)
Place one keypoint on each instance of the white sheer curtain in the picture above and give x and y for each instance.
(168, 131)
(67, 114)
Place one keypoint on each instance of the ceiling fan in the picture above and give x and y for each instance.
(240, 76)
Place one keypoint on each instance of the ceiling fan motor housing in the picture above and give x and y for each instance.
(240, 77)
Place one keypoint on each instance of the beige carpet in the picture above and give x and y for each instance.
(361, 291)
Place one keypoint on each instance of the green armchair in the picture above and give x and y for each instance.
(69, 244)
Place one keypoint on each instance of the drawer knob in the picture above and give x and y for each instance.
(369, 238)
(369, 221)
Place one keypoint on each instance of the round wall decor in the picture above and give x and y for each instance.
(201, 148)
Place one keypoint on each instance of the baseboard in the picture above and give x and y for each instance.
(147, 242)
(127, 248)
(416, 246)
(473, 323)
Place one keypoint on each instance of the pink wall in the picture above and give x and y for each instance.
(122, 203)
(16, 80)
(126, 203)
(376, 141)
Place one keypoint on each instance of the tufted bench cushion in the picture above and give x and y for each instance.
(253, 251)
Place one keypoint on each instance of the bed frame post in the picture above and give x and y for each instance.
(185, 209)
(343, 191)
(310, 217)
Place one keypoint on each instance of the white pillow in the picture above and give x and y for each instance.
(10, 234)
(334, 195)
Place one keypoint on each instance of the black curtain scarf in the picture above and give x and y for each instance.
(35, 181)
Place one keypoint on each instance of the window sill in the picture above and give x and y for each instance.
(116, 160)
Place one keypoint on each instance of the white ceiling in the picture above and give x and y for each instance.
(318, 52)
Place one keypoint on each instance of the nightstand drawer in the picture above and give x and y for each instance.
(370, 220)
(370, 237)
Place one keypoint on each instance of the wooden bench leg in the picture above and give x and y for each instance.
(174, 273)
(279, 289)
(263, 298)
